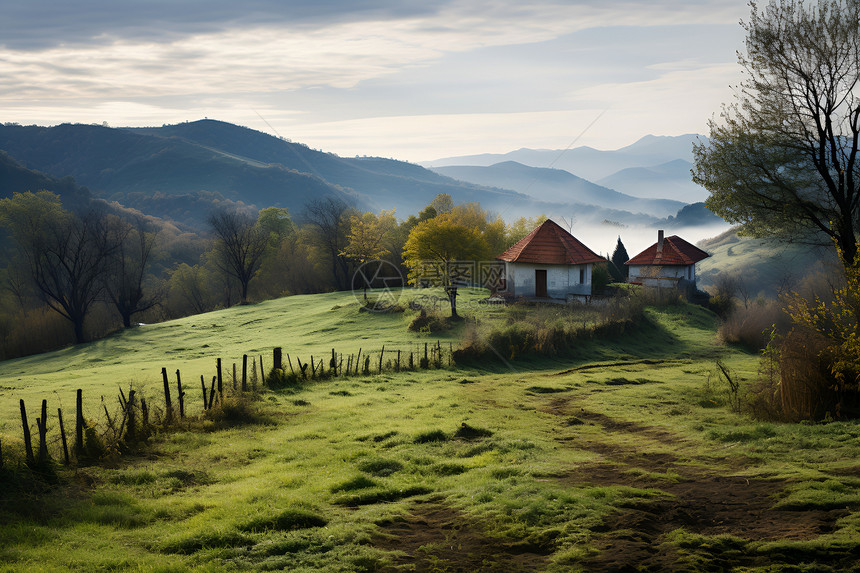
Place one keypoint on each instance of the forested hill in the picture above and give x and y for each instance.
(16, 178)
(153, 169)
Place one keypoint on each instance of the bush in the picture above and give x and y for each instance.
(750, 327)
(429, 323)
(235, 411)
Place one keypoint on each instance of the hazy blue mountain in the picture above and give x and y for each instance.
(557, 185)
(587, 162)
(209, 159)
(671, 180)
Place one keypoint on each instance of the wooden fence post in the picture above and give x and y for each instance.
(168, 405)
(180, 393)
(234, 376)
(212, 394)
(244, 373)
(79, 425)
(43, 434)
(313, 367)
(28, 445)
(131, 425)
(276, 358)
(397, 367)
(333, 363)
(62, 436)
(357, 358)
(381, 354)
(220, 382)
(203, 385)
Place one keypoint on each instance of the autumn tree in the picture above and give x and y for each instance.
(240, 244)
(782, 159)
(366, 240)
(435, 245)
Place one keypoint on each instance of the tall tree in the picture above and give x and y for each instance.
(66, 254)
(329, 218)
(241, 244)
(367, 233)
(782, 160)
(619, 257)
(127, 269)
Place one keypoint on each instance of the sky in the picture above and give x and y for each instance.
(407, 79)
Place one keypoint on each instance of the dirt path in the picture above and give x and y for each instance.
(702, 499)
(435, 537)
(705, 502)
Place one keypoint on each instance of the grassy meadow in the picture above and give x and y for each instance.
(623, 455)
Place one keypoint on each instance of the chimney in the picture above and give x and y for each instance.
(660, 241)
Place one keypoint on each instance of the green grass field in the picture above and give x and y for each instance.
(623, 456)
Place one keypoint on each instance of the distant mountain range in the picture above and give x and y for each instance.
(181, 172)
(656, 167)
(557, 185)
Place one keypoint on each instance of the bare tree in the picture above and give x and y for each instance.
(330, 218)
(127, 269)
(241, 245)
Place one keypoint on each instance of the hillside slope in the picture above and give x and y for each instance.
(763, 266)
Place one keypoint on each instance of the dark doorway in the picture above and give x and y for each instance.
(540, 283)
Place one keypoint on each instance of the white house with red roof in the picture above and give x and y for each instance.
(549, 262)
(669, 263)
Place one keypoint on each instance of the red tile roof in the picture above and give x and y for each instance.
(676, 251)
(549, 244)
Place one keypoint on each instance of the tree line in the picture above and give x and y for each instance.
(69, 277)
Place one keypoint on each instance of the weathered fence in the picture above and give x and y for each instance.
(131, 422)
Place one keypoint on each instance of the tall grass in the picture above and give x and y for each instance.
(750, 326)
(556, 330)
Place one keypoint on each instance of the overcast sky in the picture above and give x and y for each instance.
(412, 80)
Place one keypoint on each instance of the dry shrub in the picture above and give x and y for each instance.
(750, 327)
(432, 322)
(805, 390)
(796, 381)
(553, 330)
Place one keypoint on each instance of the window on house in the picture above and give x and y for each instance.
(581, 276)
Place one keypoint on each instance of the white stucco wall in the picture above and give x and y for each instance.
(667, 276)
(561, 280)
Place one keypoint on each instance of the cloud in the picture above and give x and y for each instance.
(411, 74)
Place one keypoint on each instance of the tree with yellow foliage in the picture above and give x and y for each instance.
(366, 239)
(435, 244)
